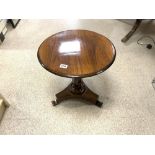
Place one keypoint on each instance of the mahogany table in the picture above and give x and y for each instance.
(76, 54)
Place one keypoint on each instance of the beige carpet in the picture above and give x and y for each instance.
(125, 88)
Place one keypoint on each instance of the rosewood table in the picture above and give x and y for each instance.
(76, 54)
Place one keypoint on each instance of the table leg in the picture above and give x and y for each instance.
(134, 28)
(2, 37)
(77, 89)
(153, 83)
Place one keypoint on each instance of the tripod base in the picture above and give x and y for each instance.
(77, 90)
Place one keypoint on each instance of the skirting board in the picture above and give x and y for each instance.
(3, 106)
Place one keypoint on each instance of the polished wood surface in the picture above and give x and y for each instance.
(76, 53)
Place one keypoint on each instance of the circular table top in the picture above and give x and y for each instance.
(76, 53)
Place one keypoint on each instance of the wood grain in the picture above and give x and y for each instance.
(76, 53)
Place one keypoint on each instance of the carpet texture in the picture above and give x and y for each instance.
(125, 88)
